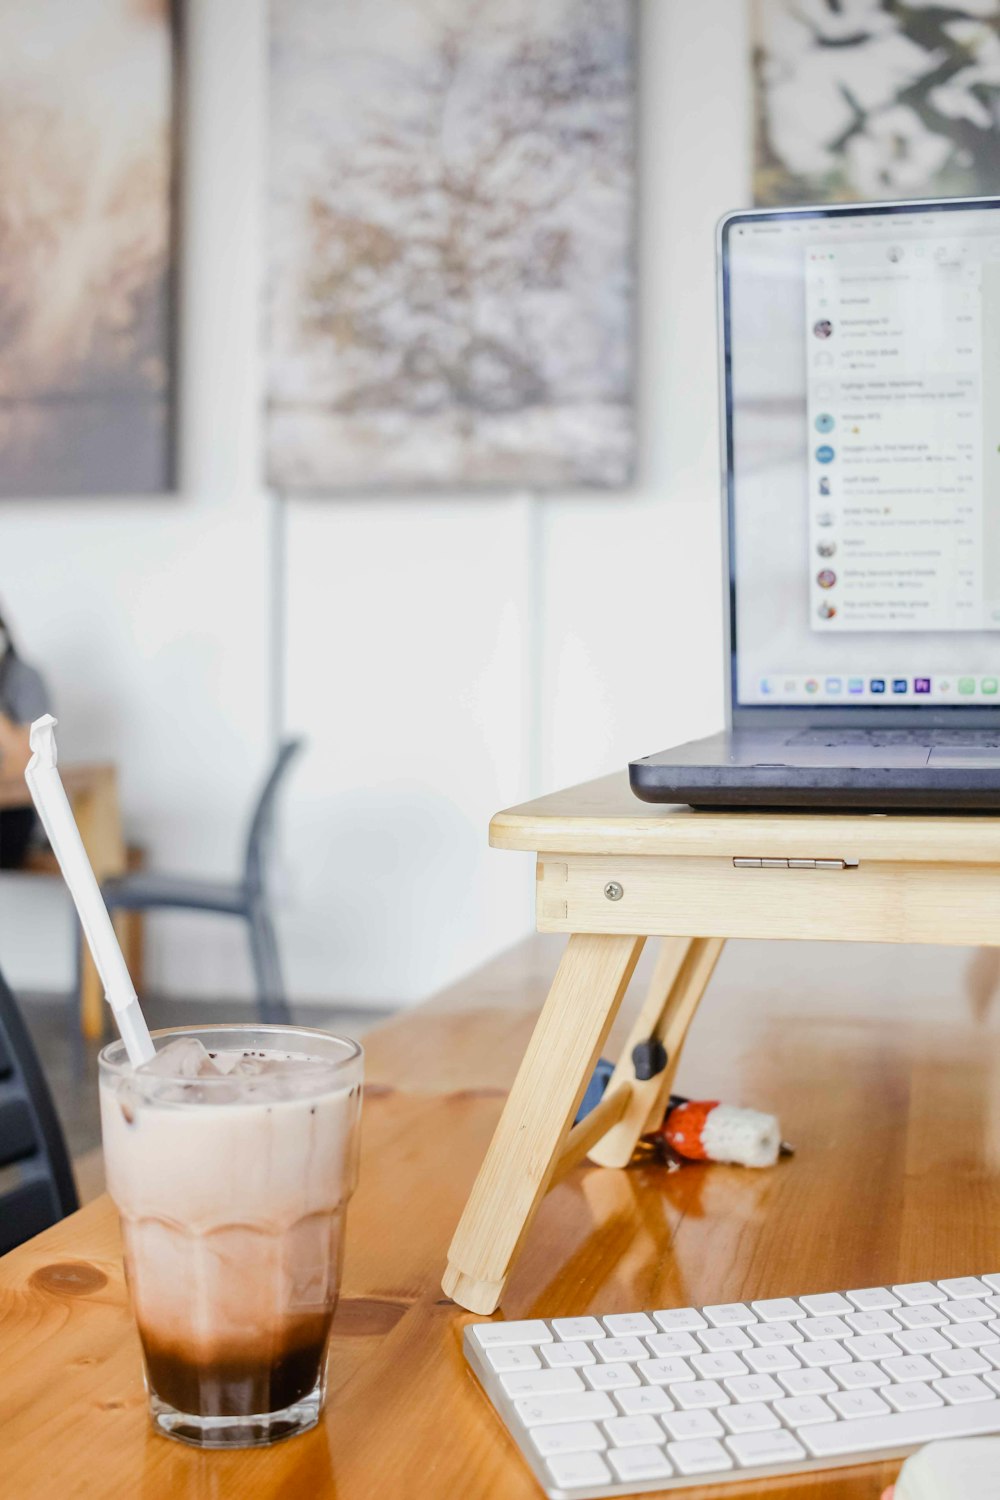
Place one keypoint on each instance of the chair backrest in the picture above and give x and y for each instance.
(32, 1148)
(261, 822)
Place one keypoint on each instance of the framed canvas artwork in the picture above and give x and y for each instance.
(86, 246)
(873, 99)
(451, 244)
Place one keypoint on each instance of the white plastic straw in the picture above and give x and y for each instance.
(49, 797)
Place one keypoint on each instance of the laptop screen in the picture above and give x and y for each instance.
(863, 442)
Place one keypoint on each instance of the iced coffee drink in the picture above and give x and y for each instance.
(231, 1157)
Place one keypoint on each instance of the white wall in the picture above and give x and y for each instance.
(444, 657)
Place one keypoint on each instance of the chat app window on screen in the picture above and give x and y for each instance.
(897, 397)
(865, 453)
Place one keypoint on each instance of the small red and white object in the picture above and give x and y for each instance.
(706, 1130)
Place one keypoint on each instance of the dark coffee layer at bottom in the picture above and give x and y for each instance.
(234, 1383)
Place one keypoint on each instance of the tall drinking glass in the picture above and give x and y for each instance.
(231, 1164)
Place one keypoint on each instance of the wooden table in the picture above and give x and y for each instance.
(93, 795)
(613, 871)
(888, 1083)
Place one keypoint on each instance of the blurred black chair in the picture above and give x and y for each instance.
(245, 898)
(31, 1140)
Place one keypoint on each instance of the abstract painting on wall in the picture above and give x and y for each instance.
(86, 162)
(450, 244)
(868, 99)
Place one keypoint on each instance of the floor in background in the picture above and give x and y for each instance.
(71, 1066)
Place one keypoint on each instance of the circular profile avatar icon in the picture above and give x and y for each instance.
(825, 518)
(823, 328)
(826, 610)
(826, 578)
(824, 422)
(826, 548)
(824, 484)
(824, 454)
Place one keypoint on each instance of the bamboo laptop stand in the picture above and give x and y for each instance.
(613, 871)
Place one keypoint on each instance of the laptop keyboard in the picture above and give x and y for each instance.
(684, 1396)
(878, 739)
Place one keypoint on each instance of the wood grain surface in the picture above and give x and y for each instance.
(603, 816)
(883, 1064)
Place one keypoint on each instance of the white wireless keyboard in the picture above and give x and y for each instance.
(626, 1402)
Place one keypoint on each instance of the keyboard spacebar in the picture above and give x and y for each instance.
(869, 1434)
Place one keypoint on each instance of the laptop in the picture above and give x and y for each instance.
(860, 384)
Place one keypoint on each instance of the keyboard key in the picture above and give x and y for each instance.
(578, 1328)
(959, 1287)
(610, 1377)
(698, 1393)
(854, 1404)
(993, 1282)
(540, 1382)
(910, 1367)
(823, 1352)
(777, 1447)
(567, 1356)
(769, 1361)
(679, 1319)
(972, 1335)
(664, 1371)
(522, 1358)
(826, 1304)
(992, 1379)
(924, 1315)
(917, 1293)
(958, 1390)
(575, 1406)
(665, 1344)
(616, 1351)
(871, 1346)
(993, 1303)
(492, 1335)
(640, 1463)
(700, 1457)
(873, 1299)
(633, 1432)
(777, 1309)
(753, 1388)
(769, 1334)
(803, 1411)
(620, 1324)
(715, 1366)
(807, 1382)
(824, 1328)
(873, 1322)
(862, 1375)
(576, 1470)
(752, 1416)
(903, 1429)
(920, 1340)
(642, 1400)
(971, 1310)
(915, 1395)
(692, 1424)
(568, 1437)
(730, 1315)
(716, 1339)
(960, 1362)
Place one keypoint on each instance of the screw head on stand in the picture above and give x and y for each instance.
(613, 891)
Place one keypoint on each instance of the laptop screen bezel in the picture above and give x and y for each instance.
(775, 715)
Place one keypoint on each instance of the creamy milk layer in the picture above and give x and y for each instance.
(232, 1215)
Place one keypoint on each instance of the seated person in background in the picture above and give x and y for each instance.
(23, 697)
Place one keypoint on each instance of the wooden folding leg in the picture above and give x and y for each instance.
(683, 968)
(582, 1003)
